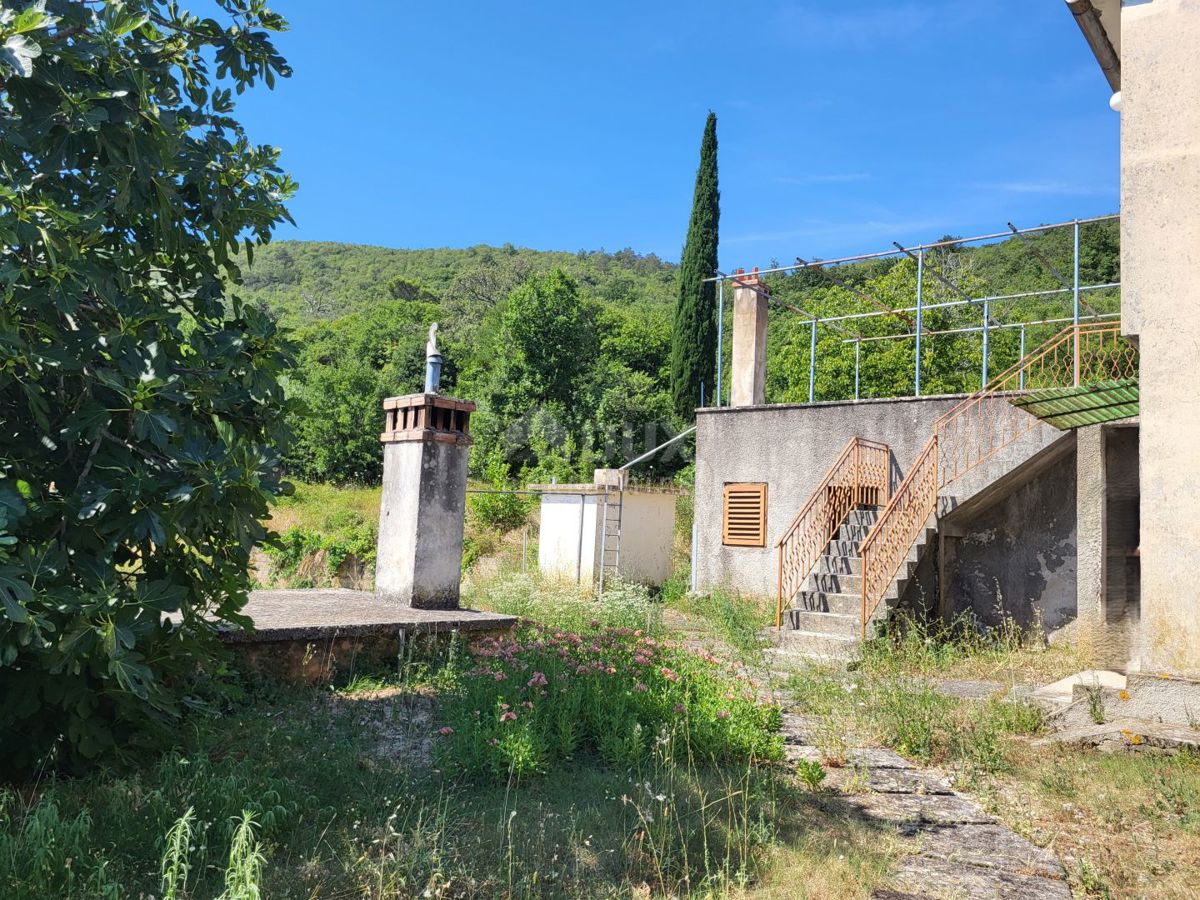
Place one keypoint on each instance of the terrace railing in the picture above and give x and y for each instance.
(976, 430)
(859, 476)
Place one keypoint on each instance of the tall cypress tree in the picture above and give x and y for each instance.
(694, 332)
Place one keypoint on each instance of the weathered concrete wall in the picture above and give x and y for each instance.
(789, 447)
(1017, 556)
(1107, 511)
(559, 553)
(1160, 299)
(1090, 480)
(647, 532)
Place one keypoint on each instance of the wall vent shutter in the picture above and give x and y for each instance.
(745, 518)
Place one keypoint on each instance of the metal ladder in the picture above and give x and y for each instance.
(610, 537)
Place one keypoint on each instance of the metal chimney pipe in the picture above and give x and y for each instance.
(433, 362)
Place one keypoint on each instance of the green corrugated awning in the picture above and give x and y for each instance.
(1074, 407)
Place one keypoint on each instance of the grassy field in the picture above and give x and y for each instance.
(345, 791)
(372, 787)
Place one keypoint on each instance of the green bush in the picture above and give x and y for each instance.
(143, 407)
(502, 512)
(354, 539)
(533, 701)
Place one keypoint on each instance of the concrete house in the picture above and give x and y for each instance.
(1060, 493)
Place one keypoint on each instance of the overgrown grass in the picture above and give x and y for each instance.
(1125, 825)
(966, 649)
(538, 699)
(565, 605)
(735, 620)
(322, 793)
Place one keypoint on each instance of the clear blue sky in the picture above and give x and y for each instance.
(564, 125)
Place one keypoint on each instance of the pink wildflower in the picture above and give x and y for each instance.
(640, 688)
(538, 680)
(680, 708)
(669, 675)
(611, 671)
(446, 731)
(510, 715)
(527, 705)
(723, 714)
(500, 676)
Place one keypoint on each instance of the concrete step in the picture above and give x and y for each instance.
(834, 584)
(1126, 734)
(816, 644)
(839, 565)
(853, 532)
(865, 515)
(823, 623)
(820, 601)
(840, 547)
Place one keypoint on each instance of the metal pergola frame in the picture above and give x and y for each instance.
(916, 323)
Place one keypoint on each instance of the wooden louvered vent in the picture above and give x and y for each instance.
(745, 517)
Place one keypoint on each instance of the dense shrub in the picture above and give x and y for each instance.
(533, 701)
(302, 553)
(142, 399)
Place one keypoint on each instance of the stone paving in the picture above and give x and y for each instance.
(962, 853)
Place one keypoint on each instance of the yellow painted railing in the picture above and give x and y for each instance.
(859, 476)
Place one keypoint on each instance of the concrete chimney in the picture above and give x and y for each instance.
(418, 560)
(749, 365)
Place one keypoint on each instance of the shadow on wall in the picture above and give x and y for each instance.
(1018, 557)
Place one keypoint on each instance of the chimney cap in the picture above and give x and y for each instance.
(750, 279)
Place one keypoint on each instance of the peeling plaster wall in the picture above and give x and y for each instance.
(1018, 556)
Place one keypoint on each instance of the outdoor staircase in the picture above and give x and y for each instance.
(851, 552)
(824, 618)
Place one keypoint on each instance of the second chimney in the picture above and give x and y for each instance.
(749, 365)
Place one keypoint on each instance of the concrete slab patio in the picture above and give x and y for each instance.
(307, 614)
(312, 635)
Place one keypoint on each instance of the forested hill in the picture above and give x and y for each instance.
(567, 353)
(302, 281)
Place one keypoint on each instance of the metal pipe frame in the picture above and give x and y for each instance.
(976, 328)
(1036, 229)
(720, 337)
(856, 291)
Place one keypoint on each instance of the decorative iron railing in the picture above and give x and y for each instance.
(892, 536)
(986, 422)
(978, 428)
(860, 476)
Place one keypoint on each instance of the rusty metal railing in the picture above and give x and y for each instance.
(986, 422)
(859, 476)
(896, 529)
(976, 430)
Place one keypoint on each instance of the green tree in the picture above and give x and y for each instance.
(141, 398)
(527, 371)
(345, 370)
(694, 335)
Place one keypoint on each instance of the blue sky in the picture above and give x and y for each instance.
(564, 125)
